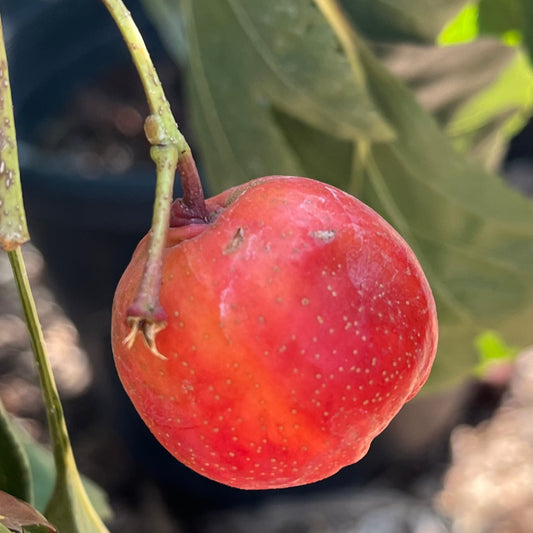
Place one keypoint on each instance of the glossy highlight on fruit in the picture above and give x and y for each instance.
(299, 323)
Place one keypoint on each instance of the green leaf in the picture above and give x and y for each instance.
(13, 228)
(18, 516)
(492, 348)
(35, 529)
(171, 30)
(14, 464)
(480, 92)
(249, 60)
(69, 506)
(401, 20)
(310, 144)
(43, 475)
(472, 234)
(509, 20)
(502, 18)
(463, 28)
(487, 121)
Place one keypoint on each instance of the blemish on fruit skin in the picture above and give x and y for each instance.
(235, 242)
(325, 236)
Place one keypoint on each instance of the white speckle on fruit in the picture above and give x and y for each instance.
(305, 301)
(324, 235)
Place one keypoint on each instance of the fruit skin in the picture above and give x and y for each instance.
(299, 323)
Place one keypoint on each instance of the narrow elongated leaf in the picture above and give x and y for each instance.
(13, 228)
(14, 464)
(248, 58)
(472, 234)
(309, 146)
(170, 27)
(480, 92)
(401, 20)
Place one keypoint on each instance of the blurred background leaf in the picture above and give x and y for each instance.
(479, 92)
(509, 20)
(43, 475)
(14, 463)
(472, 234)
(492, 349)
(416, 21)
(248, 59)
(257, 77)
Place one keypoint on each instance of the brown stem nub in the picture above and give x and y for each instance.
(148, 329)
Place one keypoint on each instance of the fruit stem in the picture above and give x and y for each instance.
(169, 151)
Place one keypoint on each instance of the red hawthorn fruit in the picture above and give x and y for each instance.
(299, 323)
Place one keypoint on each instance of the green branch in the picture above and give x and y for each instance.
(169, 151)
(69, 508)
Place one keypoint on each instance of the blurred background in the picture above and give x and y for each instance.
(457, 459)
